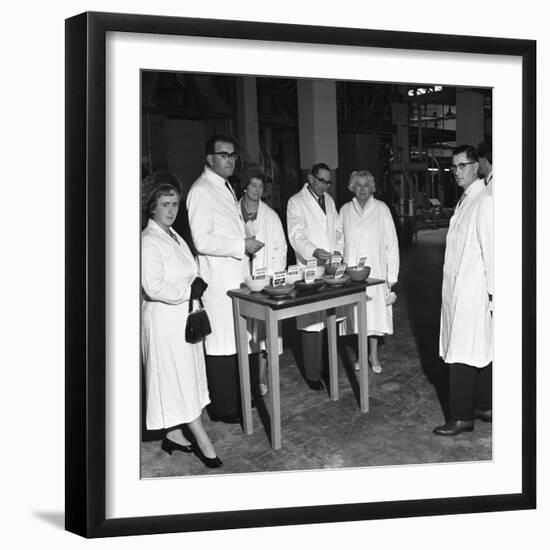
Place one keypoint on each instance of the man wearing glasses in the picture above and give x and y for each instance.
(219, 237)
(314, 232)
(466, 331)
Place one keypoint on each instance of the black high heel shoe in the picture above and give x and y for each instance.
(208, 462)
(168, 446)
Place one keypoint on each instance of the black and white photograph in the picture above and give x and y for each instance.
(261, 289)
(301, 247)
(246, 177)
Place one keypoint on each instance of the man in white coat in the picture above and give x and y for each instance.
(314, 232)
(466, 332)
(219, 237)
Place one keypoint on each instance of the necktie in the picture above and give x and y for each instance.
(231, 191)
(173, 235)
(322, 203)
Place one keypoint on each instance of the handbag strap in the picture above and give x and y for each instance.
(191, 300)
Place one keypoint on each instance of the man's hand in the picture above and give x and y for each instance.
(252, 245)
(321, 255)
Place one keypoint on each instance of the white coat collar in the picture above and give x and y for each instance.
(368, 206)
(213, 176)
(313, 204)
(474, 189)
(217, 180)
(156, 228)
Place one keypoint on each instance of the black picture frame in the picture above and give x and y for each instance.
(86, 267)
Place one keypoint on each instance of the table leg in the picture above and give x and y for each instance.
(332, 354)
(272, 344)
(363, 353)
(241, 337)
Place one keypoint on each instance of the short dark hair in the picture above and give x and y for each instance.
(164, 190)
(211, 143)
(484, 151)
(319, 166)
(249, 172)
(471, 152)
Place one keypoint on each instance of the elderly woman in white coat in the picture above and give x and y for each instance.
(369, 232)
(218, 232)
(314, 232)
(261, 222)
(176, 388)
(466, 332)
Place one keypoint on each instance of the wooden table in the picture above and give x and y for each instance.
(258, 305)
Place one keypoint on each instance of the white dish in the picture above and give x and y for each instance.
(256, 285)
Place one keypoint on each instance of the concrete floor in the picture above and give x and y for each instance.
(407, 400)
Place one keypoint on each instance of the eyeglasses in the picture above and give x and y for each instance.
(227, 156)
(460, 166)
(326, 182)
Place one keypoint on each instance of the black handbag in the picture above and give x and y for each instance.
(198, 324)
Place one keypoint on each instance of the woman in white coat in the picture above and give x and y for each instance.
(369, 231)
(314, 232)
(176, 387)
(263, 223)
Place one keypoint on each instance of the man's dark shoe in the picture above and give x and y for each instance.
(484, 415)
(315, 385)
(455, 427)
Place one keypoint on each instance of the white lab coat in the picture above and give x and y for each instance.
(218, 234)
(466, 333)
(176, 384)
(267, 227)
(371, 232)
(490, 180)
(310, 228)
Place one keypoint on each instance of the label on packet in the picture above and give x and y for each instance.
(279, 278)
(340, 271)
(260, 273)
(311, 270)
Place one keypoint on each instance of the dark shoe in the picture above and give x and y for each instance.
(455, 427)
(208, 462)
(230, 419)
(315, 385)
(168, 446)
(484, 416)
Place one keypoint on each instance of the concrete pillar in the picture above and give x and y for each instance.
(470, 117)
(400, 119)
(358, 152)
(247, 118)
(318, 125)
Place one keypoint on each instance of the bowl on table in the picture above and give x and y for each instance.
(278, 291)
(358, 274)
(331, 281)
(256, 285)
(307, 287)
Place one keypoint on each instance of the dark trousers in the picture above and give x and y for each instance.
(222, 374)
(469, 388)
(313, 344)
